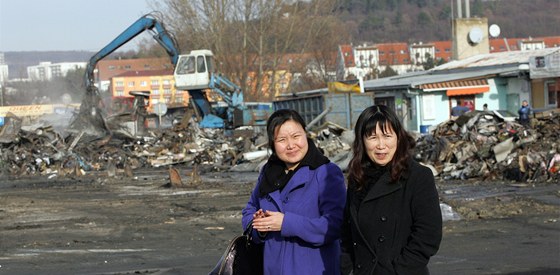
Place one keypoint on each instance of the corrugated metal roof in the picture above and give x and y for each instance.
(474, 67)
(493, 59)
(415, 79)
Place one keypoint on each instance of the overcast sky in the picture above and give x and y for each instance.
(62, 25)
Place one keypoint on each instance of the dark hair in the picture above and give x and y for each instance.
(277, 119)
(365, 126)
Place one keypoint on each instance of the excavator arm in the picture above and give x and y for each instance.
(229, 92)
(90, 117)
(146, 22)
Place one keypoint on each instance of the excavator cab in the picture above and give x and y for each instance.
(194, 73)
(193, 70)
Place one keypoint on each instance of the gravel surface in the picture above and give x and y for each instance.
(110, 225)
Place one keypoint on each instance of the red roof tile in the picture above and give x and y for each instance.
(348, 55)
(393, 53)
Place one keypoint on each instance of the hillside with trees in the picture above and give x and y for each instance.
(382, 21)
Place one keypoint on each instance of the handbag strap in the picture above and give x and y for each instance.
(249, 229)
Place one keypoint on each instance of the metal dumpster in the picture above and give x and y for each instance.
(340, 108)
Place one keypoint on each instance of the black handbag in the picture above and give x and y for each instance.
(242, 256)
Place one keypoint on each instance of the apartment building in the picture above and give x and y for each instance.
(159, 83)
(107, 69)
(47, 70)
(439, 51)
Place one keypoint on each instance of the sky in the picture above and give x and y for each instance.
(67, 25)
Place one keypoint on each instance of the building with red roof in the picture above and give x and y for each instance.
(368, 60)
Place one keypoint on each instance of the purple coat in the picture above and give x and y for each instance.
(313, 206)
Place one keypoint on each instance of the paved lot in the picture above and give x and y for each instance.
(101, 225)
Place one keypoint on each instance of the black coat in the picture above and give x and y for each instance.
(398, 226)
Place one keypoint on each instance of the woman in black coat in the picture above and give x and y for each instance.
(392, 222)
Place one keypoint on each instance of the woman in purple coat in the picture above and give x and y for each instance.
(392, 222)
(297, 205)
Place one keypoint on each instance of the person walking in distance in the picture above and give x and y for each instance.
(458, 110)
(524, 113)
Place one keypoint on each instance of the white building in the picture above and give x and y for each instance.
(420, 52)
(368, 61)
(366, 58)
(531, 45)
(48, 70)
(3, 70)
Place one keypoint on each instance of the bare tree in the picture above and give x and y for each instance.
(328, 34)
(250, 37)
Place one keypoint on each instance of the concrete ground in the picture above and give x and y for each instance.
(101, 225)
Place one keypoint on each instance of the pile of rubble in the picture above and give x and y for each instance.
(480, 145)
(483, 145)
(476, 145)
(40, 150)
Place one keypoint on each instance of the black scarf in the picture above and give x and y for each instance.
(372, 174)
(275, 177)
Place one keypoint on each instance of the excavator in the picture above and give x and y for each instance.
(193, 72)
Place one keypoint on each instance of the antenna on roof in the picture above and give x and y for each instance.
(494, 30)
